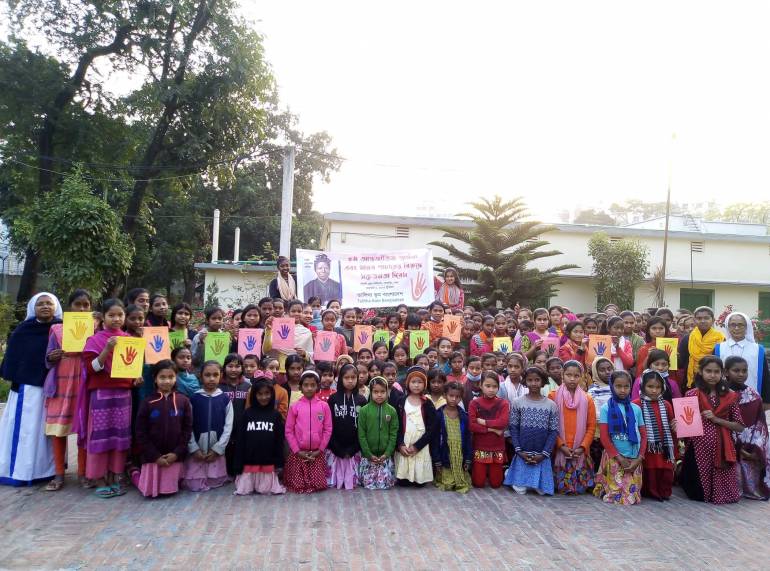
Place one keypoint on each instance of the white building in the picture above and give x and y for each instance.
(709, 263)
(11, 265)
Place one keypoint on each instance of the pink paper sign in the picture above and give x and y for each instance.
(688, 419)
(250, 342)
(324, 348)
(550, 346)
(283, 333)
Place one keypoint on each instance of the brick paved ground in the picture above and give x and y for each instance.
(396, 529)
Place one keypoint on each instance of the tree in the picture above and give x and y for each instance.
(495, 254)
(593, 216)
(619, 266)
(81, 234)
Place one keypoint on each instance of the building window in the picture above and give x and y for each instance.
(697, 247)
(692, 298)
(402, 231)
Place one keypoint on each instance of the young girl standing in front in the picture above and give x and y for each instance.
(534, 425)
(452, 449)
(163, 429)
(658, 415)
(377, 435)
(236, 387)
(294, 367)
(205, 466)
(106, 406)
(489, 416)
(343, 455)
(416, 416)
(308, 430)
(710, 469)
(624, 438)
(61, 391)
(752, 447)
(573, 468)
(260, 437)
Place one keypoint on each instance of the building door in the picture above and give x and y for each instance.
(692, 298)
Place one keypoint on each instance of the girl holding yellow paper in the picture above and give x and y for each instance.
(104, 408)
(62, 385)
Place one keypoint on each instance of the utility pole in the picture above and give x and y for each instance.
(237, 244)
(215, 238)
(287, 202)
(668, 214)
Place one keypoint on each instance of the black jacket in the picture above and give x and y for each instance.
(259, 438)
(344, 440)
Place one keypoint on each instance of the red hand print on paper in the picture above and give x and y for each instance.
(688, 416)
(129, 356)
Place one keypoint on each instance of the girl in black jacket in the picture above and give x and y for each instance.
(259, 443)
(344, 451)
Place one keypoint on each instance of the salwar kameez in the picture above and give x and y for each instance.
(615, 485)
(752, 449)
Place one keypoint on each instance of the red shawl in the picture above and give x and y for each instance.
(725, 452)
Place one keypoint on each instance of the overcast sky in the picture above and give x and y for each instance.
(565, 103)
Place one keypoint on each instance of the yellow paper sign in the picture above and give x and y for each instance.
(128, 358)
(77, 327)
(158, 344)
(502, 344)
(669, 345)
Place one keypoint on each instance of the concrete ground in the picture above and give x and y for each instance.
(395, 529)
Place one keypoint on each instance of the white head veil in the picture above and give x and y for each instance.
(31, 305)
(749, 326)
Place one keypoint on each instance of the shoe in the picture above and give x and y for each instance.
(521, 490)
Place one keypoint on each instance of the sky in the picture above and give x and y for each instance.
(568, 104)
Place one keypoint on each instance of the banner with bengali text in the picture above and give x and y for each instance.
(367, 279)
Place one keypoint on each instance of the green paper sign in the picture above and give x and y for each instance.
(217, 345)
(382, 336)
(418, 342)
(177, 339)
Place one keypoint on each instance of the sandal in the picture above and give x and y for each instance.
(117, 490)
(85, 483)
(55, 485)
(105, 492)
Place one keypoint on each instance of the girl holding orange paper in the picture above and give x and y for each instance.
(104, 407)
(710, 469)
(61, 390)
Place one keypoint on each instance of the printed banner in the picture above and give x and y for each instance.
(177, 339)
(670, 346)
(283, 334)
(502, 344)
(598, 346)
(382, 336)
(362, 337)
(418, 342)
(77, 327)
(216, 345)
(250, 342)
(158, 345)
(453, 327)
(128, 358)
(688, 419)
(366, 279)
(550, 346)
(324, 348)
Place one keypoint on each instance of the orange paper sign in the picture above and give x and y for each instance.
(158, 345)
(598, 346)
(453, 327)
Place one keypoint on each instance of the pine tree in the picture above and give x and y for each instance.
(493, 257)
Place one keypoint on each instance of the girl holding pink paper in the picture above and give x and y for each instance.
(531, 341)
(339, 345)
(710, 468)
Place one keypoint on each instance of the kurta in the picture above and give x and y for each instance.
(658, 470)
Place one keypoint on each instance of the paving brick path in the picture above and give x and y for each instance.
(397, 529)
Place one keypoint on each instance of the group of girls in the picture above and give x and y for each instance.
(459, 414)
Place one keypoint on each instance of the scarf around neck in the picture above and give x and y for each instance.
(286, 287)
(578, 402)
(725, 449)
(657, 443)
(699, 346)
(621, 426)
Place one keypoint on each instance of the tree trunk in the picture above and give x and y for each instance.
(189, 287)
(28, 283)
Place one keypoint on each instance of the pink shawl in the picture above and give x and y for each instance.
(579, 401)
(94, 346)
